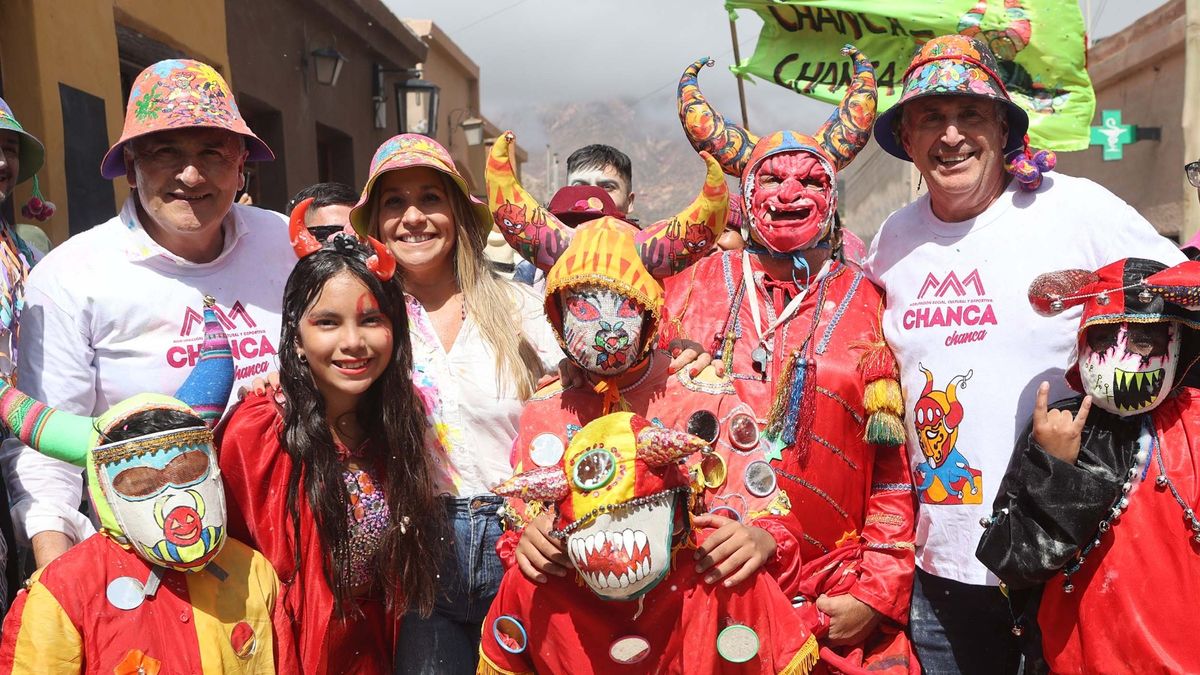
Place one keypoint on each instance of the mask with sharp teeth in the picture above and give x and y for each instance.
(617, 491)
(1137, 323)
(1127, 368)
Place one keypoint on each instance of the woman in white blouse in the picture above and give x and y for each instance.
(484, 343)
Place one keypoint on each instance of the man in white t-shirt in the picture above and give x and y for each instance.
(118, 309)
(956, 265)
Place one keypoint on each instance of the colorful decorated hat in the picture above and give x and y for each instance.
(129, 472)
(576, 204)
(405, 152)
(608, 250)
(951, 65)
(31, 153)
(1133, 290)
(740, 152)
(180, 94)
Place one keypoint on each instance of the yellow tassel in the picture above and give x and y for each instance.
(486, 667)
(804, 660)
(883, 394)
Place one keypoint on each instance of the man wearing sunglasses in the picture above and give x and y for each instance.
(1192, 169)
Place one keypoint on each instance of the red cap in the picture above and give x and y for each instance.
(577, 204)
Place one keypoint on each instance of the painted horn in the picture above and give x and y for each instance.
(50, 431)
(530, 229)
(657, 446)
(670, 245)
(382, 264)
(207, 388)
(544, 484)
(303, 241)
(848, 129)
(707, 130)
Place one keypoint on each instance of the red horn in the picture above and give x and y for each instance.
(303, 241)
(545, 483)
(382, 264)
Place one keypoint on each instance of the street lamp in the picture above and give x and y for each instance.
(473, 129)
(328, 62)
(416, 101)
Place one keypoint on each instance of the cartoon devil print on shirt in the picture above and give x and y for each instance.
(945, 477)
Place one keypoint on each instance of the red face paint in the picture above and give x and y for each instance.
(791, 199)
(182, 526)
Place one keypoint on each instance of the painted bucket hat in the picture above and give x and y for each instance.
(31, 153)
(180, 94)
(407, 151)
(951, 65)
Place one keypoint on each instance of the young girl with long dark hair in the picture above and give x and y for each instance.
(336, 486)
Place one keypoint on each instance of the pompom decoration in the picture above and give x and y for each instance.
(1028, 166)
(1052, 292)
(37, 208)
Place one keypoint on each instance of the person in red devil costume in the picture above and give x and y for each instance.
(603, 300)
(1098, 503)
(798, 330)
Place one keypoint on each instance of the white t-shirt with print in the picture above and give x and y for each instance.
(957, 306)
(110, 313)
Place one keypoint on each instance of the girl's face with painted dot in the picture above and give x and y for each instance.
(346, 339)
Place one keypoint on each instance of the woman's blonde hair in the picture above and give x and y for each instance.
(488, 298)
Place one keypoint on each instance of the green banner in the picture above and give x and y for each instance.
(1039, 45)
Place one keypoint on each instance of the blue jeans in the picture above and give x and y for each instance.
(447, 643)
(964, 628)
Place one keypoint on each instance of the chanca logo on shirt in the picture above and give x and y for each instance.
(247, 340)
(957, 302)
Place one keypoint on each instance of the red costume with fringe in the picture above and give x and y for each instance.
(255, 468)
(846, 491)
(681, 612)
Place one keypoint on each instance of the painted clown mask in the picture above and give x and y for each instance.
(602, 328)
(618, 491)
(165, 493)
(1128, 368)
(790, 197)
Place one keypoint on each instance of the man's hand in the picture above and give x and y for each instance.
(685, 353)
(850, 619)
(734, 551)
(539, 554)
(49, 545)
(1058, 431)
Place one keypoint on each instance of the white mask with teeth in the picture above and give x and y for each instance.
(1128, 368)
(623, 554)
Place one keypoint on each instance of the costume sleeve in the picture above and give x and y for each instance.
(254, 466)
(55, 367)
(39, 637)
(889, 554)
(1046, 510)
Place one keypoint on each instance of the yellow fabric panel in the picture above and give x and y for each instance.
(604, 252)
(47, 641)
(247, 594)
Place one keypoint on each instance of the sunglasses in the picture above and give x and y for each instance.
(1192, 169)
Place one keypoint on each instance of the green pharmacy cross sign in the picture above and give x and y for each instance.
(1112, 135)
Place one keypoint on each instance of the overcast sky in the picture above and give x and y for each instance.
(547, 51)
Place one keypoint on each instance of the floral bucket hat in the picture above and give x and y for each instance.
(405, 152)
(951, 65)
(180, 94)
